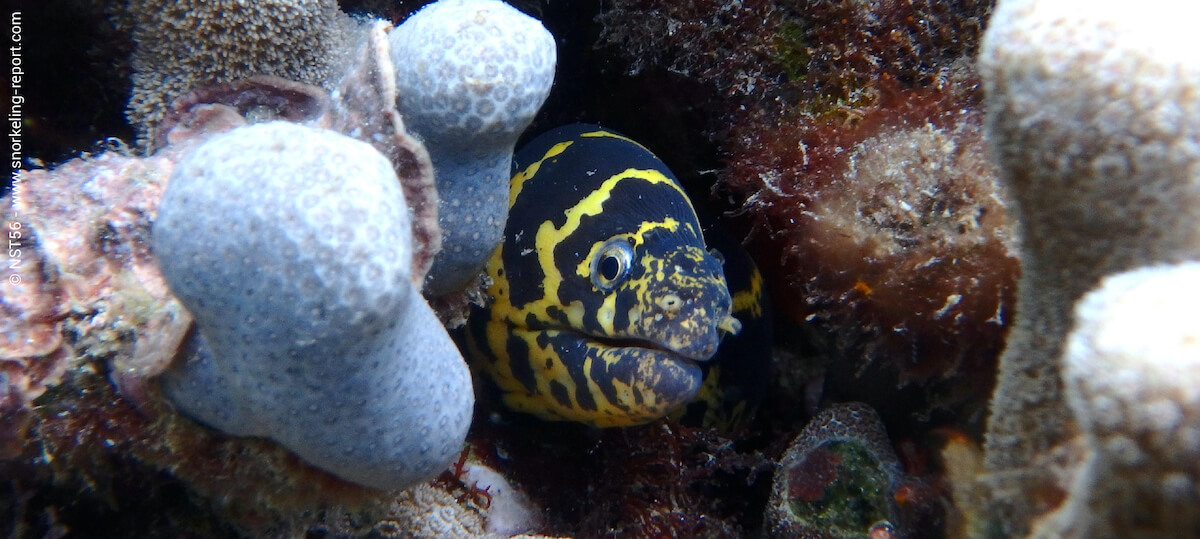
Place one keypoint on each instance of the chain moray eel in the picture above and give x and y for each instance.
(604, 297)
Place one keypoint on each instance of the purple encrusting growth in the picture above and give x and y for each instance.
(291, 247)
(471, 76)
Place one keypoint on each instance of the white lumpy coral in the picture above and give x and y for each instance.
(471, 76)
(291, 247)
(1132, 376)
(1093, 111)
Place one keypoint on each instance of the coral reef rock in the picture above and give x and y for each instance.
(86, 280)
(300, 288)
(837, 479)
(471, 75)
(1093, 111)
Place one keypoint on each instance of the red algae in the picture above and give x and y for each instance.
(890, 236)
(808, 480)
(853, 149)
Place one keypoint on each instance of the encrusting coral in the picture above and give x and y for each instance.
(1094, 113)
(308, 349)
(471, 75)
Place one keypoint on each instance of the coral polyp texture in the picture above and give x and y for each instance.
(291, 247)
(471, 75)
(181, 46)
(1093, 111)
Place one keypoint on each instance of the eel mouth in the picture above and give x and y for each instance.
(633, 342)
(658, 379)
(698, 350)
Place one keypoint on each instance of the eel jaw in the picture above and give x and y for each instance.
(648, 381)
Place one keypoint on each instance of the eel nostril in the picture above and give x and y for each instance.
(670, 304)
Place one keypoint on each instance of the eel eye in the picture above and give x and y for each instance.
(612, 264)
